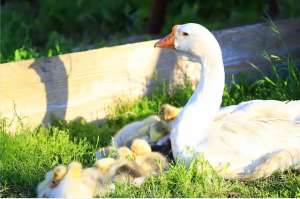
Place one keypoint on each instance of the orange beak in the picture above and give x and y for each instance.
(167, 41)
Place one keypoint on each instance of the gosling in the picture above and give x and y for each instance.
(151, 163)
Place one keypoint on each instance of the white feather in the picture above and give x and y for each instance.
(249, 140)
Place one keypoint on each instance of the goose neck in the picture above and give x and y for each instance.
(191, 126)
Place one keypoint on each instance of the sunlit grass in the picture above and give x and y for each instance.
(27, 155)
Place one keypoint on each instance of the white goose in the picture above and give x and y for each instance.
(246, 141)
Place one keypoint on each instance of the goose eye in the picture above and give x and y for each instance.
(185, 33)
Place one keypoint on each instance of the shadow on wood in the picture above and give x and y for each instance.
(53, 75)
(88, 84)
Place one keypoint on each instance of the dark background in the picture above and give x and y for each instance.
(35, 28)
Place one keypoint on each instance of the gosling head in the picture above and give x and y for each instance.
(74, 169)
(58, 174)
(168, 112)
(104, 164)
(125, 153)
(140, 147)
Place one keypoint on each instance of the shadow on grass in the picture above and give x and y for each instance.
(100, 133)
(279, 86)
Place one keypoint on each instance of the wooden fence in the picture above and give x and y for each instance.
(87, 84)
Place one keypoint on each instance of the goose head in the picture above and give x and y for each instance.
(191, 38)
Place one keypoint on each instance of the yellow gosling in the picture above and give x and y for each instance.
(169, 112)
(58, 173)
(104, 164)
(151, 163)
(140, 147)
(125, 153)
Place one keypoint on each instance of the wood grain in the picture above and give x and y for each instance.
(87, 84)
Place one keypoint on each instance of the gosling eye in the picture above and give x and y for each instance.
(185, 33)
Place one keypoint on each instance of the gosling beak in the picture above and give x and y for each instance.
(167, 41)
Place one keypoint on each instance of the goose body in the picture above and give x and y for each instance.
(253, 133)
(246, 141)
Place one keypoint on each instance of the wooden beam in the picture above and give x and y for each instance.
(87, 84)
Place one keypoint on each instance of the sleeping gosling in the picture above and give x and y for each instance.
(125, 171)
(82, 183)
(72, 185)
(120, 170)
(151, 163)
(150, 129)
(52, 179)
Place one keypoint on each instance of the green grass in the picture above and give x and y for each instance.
(27, 155)
(44, 28)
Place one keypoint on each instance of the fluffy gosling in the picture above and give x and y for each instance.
(52, 179)
(151, 163)
(76, 182)
(168, 112)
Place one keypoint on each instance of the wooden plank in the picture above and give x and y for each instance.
(87, 84)
(248, 44)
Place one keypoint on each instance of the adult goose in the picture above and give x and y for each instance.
(246, 141)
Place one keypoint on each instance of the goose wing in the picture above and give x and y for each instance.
(260, 125)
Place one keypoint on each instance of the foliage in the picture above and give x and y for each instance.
(282, 84)
(28, 155)
(35, 28)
